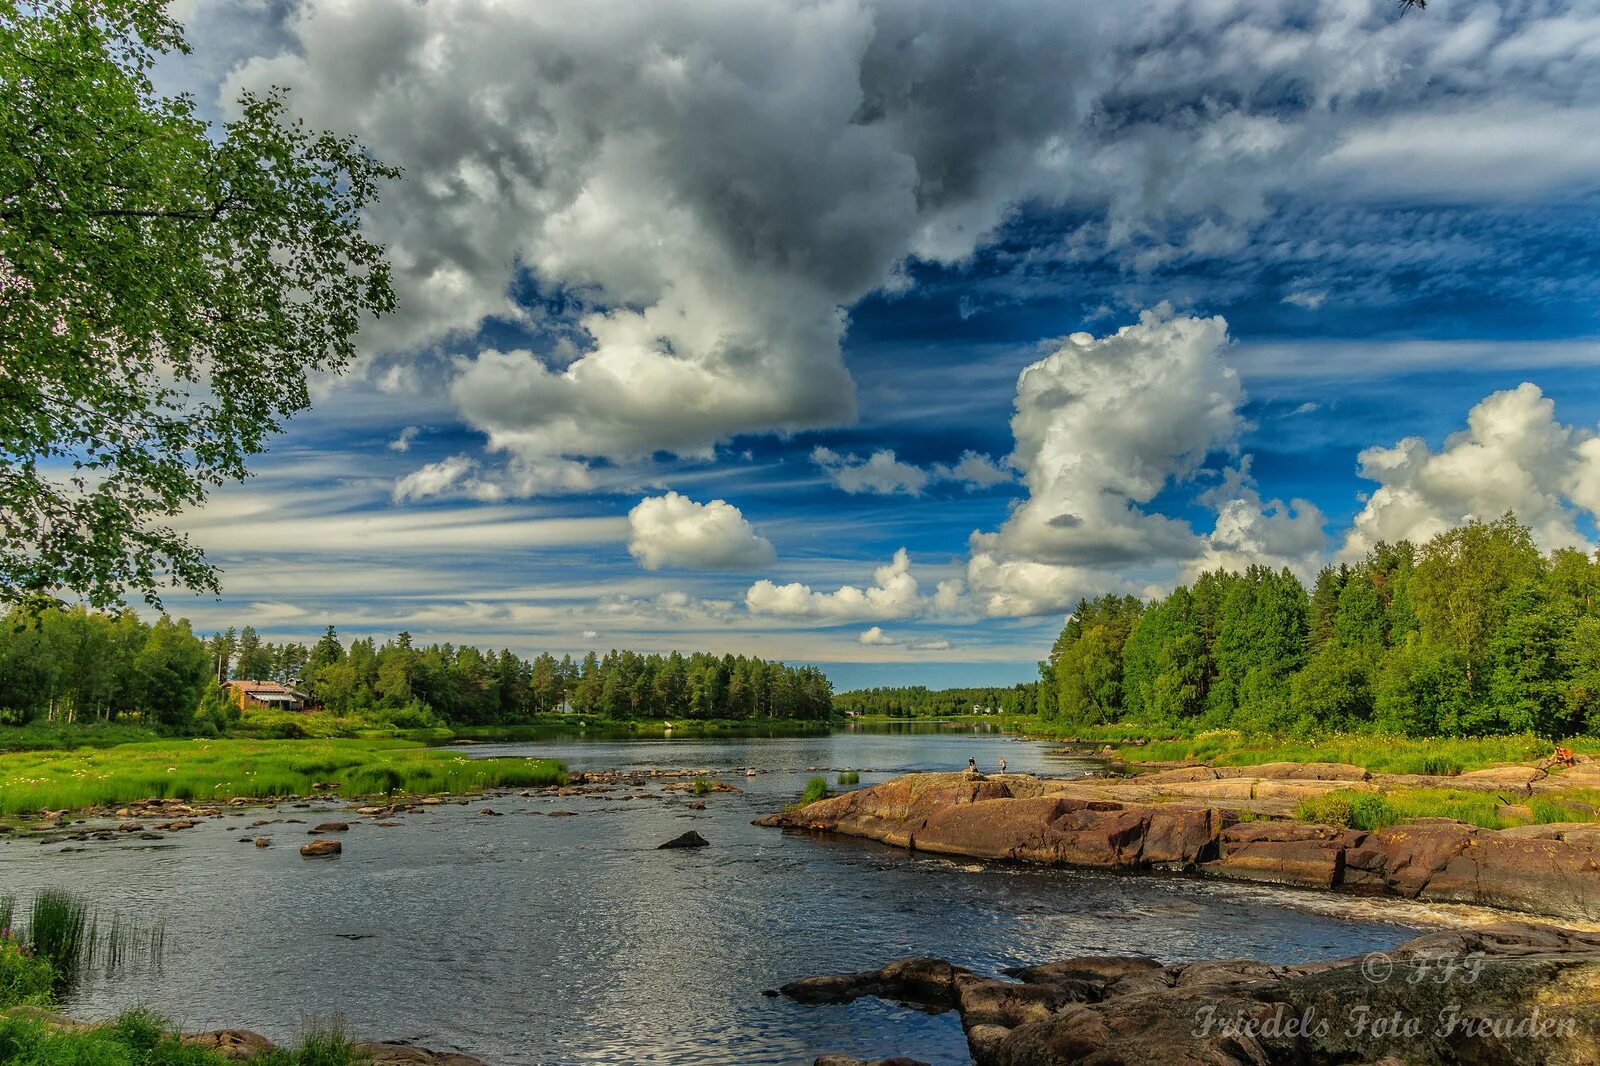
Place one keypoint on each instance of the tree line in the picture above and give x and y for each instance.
(1472, 632)
(918, 701)
(76, 665)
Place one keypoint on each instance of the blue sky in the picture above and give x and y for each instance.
(708, 310)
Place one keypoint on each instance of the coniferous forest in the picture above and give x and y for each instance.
(1472, 632)
(78, 666)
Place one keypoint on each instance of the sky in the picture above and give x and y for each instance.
(874, 334)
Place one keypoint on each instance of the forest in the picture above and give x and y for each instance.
(72, 665)
(918, 701)
(1474, 632)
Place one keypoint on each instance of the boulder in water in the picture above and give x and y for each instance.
(691, 839)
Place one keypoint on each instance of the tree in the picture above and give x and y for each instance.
(1461, 586)
(165, 288)
(172, 669)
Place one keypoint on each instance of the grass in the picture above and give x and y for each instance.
(816, 789)
(702, 786)
(25, 979)
(1442, 757)
(219, 770)
(849, 777)
(139, 1038)
(57, 736)
(68, 938)
(1365, 809)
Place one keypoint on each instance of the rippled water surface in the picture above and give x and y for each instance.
(535, 940)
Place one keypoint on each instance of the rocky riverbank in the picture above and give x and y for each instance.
(1232, 823)
(1500, 994)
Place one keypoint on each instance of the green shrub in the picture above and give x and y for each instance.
(1348, 808)
(702, 786)
(849, 777)
(25, 979)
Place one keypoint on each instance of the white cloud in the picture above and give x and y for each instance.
(1514, 454)
(708, 185)
(1310, 299)
(875, 636)
(1306, 408)
(402, 443)
(893, 595)
(1102, 425)
(973, 471)
(930, 644)
(675, 606)
(673, 530)
(447, 477)
(883, 474)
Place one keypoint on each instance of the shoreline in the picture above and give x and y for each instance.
(1223, 827)
(1507, 992)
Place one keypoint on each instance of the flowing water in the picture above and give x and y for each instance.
(536, 940)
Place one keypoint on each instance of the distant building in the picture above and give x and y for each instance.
(269, 695)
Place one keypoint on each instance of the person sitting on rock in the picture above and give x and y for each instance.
(972, 766)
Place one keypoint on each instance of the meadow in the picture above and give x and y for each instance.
(1377, 752)
(217, 770)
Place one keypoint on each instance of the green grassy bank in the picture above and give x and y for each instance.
(1373, 751)
(219, 770)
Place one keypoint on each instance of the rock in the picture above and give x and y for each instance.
(1520, 994)
(563, 814)
(1547, 870)
(926, 983)
(231, 1043)
(491, 812)
(263, 842)
(697, 805)
(321, 848)
(407, 1055)
(846, 1060)
(331, 827)
(691, 839)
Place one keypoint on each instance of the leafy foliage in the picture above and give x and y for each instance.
(1473, 632)
(165, 289)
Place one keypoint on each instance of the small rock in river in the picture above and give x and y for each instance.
(319, 848)
(691, 839)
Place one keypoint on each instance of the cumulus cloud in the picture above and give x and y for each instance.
(673, 530)
(875, 636)
(892, 595)
(701, 189)
(1102, 425)
(1514, 454)
(883, 474)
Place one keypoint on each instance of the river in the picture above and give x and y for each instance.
(537, 941)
